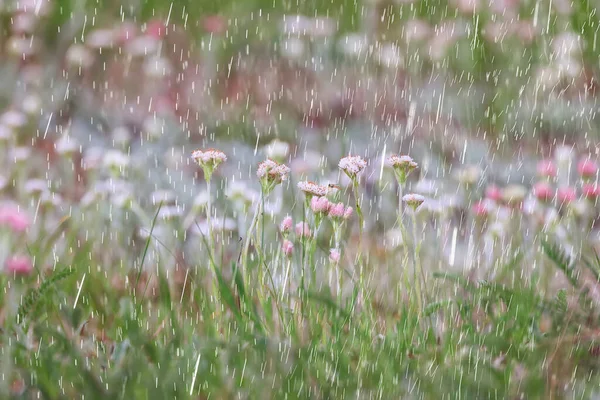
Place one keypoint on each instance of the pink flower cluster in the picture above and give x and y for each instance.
(321, 205)
(16, 220)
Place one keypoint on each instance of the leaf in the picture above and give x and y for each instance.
(34, 296)
(561, 260)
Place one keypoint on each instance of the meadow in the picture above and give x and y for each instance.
(376, 199)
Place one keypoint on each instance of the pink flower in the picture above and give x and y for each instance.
(337, 210)
(319, 205)
(302, 229)
(566, 195)
(334, 255)
(482, 208)
(156, 28)
(18, 265)
(543, 191)
(587, 168)
(12, 217)
(287, 247)
(493, 192)
(546, 169)
(590, 191)
(348, 212)
(286, 224)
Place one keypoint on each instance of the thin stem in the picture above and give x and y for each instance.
(244, 258)
(208, 217)
(417, 271)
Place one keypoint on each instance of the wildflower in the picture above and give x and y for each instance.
(271, 173)
(587, 168)
(336, 210)
(79, 56)
(115, 160)
(286, 225)
(590, 191)
(320, 205)
(302, 229)
(402, 165)
(513, 195)
(334, 255)
(546, 169)
(566, 195)
(482, 208)
(468, 175)
(413, 200)
(12, 217)
(287, 247)
(278, 150)
(493, 192)
(348, 212)
(312, 189)
(543, 191)
(352, 165)
(18, 265)
(209, 160)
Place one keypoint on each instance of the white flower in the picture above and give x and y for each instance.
(352, 165)
(66, 146)
(278, 149)
(271, 174)
(209, 160)
(413, 200)
(115, 159)
(210, 156)
(402, 165)
(312, 189)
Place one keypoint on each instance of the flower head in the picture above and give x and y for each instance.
(271, 173)
(493, 192)
(402, 165)
(566, 195)
(18, 265)
(15, 219)
(413, 200)
(543, 191)
(287, 247)
(590, 191)
(286, 225)
(352, 165)
(302, 229)
(312, 189)
(546, 169)
(209, 160)
(483, 208)
(334, 255)
(320, 205)
(587, 168)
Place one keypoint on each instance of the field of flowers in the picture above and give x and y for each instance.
(376, 199)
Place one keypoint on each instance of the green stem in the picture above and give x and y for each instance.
(417, 270)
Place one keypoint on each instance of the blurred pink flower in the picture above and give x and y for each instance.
(493, 192)
(15, 219)
(566, 195)
(587, 168)
(543, 191)
(334, 255)
(286, 225)
(287, 247)
(302, 229)
(546, 169)
(348, 212)
(18, 265)
(590, 191)
(482, 208)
